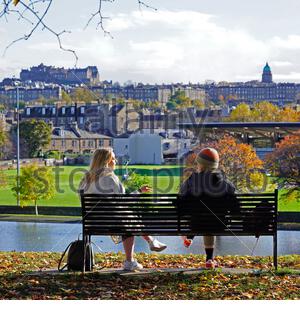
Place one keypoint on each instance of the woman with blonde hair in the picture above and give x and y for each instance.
(101, 179)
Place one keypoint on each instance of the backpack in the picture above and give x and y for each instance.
(74, 253)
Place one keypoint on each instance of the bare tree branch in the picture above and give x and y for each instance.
(27, 10)
(101, 18)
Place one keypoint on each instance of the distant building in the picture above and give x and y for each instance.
(75, 140)
(267, 74)
(101, 118)
(122, 119)
(28, 94)
(253, 91)
(49, 74)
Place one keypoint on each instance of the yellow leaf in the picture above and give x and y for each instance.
(15, 2)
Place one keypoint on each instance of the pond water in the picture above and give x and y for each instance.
(29, 236)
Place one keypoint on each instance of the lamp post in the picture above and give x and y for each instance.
(18, 145)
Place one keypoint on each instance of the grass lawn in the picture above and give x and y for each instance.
(18, 282)
(68, 179)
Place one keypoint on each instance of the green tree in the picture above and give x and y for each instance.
(264, 112)
(198, 103)
(66, 97)
(36, 183)
(34, 136)
(3, 179)
(3, 138)
(83, 94)
(241, 113)
(171, 105)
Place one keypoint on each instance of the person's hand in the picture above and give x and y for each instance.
(145, 189)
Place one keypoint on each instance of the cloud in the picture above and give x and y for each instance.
(292, 76)
(281, 63)
(168, 46)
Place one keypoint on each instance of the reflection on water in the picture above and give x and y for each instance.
(28, 236)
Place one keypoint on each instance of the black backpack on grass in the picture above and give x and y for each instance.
(74, 253)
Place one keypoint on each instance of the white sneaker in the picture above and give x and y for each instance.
(157, 246)
(132, 265)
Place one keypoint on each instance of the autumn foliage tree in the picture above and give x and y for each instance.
(241, 113)
(263, 112)
(239, 162)
(284, 165)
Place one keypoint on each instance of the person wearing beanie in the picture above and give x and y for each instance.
(204, 186)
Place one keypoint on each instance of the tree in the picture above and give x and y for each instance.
(66, 98)
(241, 113)
(83, 94)
(239, 162)
(34, 136)
(198, 103)
(264, 112)
(3, 138)
(289, 115)
(36, 183)
(284, 165)
(3, 179)
(171, 105)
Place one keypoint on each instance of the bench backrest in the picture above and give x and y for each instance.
(108, 214)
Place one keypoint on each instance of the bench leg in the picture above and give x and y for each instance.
(275, 262)
(84, 238)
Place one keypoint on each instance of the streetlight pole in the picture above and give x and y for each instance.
(18, 147)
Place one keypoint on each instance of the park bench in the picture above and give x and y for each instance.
(159, 214)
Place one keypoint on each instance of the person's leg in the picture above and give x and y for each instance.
(148, 238)
(154, 244)
(130, 263)
(128, 244)
(209, 244)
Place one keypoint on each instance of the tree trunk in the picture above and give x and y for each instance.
(36, 208)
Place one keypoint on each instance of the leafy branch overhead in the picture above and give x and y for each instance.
(34, 13)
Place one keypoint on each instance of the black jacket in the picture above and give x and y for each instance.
(207, 196)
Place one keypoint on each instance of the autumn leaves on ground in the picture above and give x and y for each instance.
(25, 276)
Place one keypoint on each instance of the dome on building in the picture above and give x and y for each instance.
(267, 74)
(267, 68)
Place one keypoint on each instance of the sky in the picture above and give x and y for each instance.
(183, 41)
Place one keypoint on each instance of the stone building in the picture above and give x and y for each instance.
(254, 91)
(50, 74)
(28, 94)
(75, 140)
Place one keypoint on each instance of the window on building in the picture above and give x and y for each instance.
(28, 111)
(74, 143)
(43, 111)
(81, 109)
(91, 143)
(72, 110)
(53, 143)
(110, 142)
(53, 111)
(101, 143)
(63, 110)
(63, 143)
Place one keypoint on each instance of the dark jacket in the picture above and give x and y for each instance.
(207, 197)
